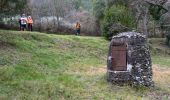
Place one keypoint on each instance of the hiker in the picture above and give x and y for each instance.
(78, 26)
(30, 23)
(23, 22)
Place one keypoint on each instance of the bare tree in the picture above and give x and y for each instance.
(141, 10)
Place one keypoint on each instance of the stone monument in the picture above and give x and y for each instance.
(129, 60)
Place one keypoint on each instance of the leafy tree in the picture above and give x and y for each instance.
(119, 15)
(77, 4)
(99, 8)
(11, 7)
(116, 2)
(157, 11)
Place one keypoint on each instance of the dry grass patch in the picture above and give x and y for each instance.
(161, 76)
(87, 70)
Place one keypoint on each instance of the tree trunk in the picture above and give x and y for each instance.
(145, 22)
(54, 23)
(58, 22)
(154, 30)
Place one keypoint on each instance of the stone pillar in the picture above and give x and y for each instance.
(139, 64)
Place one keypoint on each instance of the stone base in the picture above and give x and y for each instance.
(118, 76)
(121, 77)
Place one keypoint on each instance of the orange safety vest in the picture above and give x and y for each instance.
(29, 21)
(78, 26)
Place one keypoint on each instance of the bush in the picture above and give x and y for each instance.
(98, 8)
(119, 15)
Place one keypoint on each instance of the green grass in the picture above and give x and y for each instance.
(38, 66)
(161, 60)
(160, 52)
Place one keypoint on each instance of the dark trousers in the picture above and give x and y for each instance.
(20, 27)
(30, 27)
(23, 27)
(77, 31)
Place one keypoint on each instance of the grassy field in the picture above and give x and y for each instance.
(160, 52)
(38, 66)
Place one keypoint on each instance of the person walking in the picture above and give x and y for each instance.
(23, 22)
(78, 27)
(30, 23)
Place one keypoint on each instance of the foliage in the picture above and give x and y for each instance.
(117, 2)
(99, 8)
(87, 5)
(77, 4)
(157, 11)
(117, 14)
(11, 7)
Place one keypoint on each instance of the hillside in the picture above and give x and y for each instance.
(39, 66)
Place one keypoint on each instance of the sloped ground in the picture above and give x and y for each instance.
(37, 66)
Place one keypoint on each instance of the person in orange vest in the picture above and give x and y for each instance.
(30, 23)
(78, 26)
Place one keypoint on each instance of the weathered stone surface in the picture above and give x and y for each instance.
(118, 76)
(117, 28)
(139, 65)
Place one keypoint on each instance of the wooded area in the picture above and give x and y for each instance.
(84, 49)
(97, 17)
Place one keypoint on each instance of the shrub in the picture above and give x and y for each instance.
(98, 8)
(119, 15)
